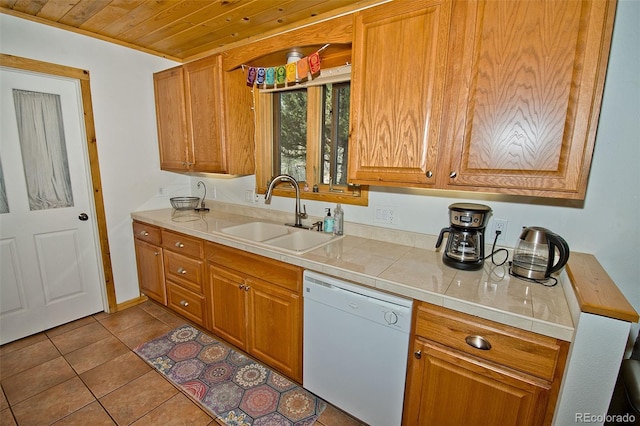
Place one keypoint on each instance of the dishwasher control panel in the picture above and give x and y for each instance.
(373, 305)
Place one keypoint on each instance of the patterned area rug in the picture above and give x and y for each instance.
(234, 388)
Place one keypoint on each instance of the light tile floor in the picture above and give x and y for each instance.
(85, 373)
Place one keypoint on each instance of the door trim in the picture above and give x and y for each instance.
(17, 62)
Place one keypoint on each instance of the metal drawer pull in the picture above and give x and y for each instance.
(156, 253)
(144, 233)
(179, 244)
(417, 354)
(246, 288)
(241, 286)
(478, 342)
(184, 303)
(182, 271)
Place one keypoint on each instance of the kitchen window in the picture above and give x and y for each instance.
(304, 132)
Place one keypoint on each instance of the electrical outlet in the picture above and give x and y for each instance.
(385, 214)
(499, 225)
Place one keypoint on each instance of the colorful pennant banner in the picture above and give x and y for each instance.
(283, 75)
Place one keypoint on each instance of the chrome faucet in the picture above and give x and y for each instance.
(286, 178)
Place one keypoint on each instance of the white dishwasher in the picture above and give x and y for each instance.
(355, 348)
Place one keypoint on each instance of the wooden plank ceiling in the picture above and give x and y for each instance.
(181, 30)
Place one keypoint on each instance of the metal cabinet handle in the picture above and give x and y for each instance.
(246, 288)
(144, 233)
(241, 286)
(453, 174)
(182, 271)
(184, 303)
(478, 342)
(429, 174)
(156, 253)
(179, 244)
(417, 354)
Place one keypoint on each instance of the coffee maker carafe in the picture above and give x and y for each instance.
(465, 245)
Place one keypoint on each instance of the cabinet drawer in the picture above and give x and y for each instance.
(180, 243)
(147, 233)
(185, 270)
(282, 274)
(186, 303)
(511, 347)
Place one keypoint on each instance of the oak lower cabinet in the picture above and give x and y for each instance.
(185, 278)
(149, 261)
(467, 370)
(204, 118)
(257, 306)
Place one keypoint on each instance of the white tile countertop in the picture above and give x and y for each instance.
(409, 266)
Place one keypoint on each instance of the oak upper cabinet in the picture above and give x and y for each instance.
(467, 370)
(524, 95)
(204, 118)
(397, 89)
(171, 117)
(257, 306)
(149, 261)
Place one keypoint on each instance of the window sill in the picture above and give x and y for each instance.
(325, 195)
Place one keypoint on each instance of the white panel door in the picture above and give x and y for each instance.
(50, 272)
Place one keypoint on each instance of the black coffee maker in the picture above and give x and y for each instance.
(465, 245)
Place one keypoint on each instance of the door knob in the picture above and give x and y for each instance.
(83, 217)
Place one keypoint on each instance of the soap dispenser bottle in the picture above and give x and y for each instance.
(328, 222)
(338, 220)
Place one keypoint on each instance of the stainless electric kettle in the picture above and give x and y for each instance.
(535, 255)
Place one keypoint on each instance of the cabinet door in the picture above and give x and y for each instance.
(228, 298)
(175, 151)
(450, 388)
(397, 89)
(275, 332)
(150, 271)
(525, 94)
(238, 130)
(203, 91)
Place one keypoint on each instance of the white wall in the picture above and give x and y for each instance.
(124, 113)
(605, 224)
